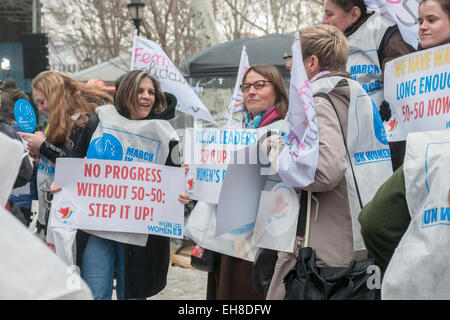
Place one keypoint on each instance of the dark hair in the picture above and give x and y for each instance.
(9, 83)
(347, 5)
(127, 93)
(445, 5)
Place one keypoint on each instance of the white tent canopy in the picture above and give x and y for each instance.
(107, 71)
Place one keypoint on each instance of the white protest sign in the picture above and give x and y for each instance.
(236, 108)
(239, 196)
(297, 163)
(208, 152)
(118, 196)
(276, 223)
(147, 55)
(404, 13)
(417, 87)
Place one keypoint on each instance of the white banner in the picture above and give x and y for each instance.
(118, 196)
(147, 55)
(208, 151)
(236, 108)
(405, 13)
(417, 87)
(276, 221)
(297, 163)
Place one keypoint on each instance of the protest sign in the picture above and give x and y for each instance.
(276, 223)
(118, 196)
(147, 55)
(25, 116)
(240, 193)
(209, 151)
(417, 87)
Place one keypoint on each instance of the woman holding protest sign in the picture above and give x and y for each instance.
(374, 39)
(386, 218)
(140, 262)
(68, 103)
(266, 104)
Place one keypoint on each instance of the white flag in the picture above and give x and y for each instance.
(297, 163)
(405, 13)
(147, 55)
(236, 107)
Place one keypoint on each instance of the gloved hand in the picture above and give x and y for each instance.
(385, 111)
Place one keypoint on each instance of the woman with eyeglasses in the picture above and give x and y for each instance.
(374, 39)
(266, 103)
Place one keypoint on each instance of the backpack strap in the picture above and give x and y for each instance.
(327, 97)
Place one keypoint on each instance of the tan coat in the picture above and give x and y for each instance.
(331, 226)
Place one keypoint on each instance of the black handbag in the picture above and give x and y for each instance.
(262, 269)
(204, 259)
(307, 281)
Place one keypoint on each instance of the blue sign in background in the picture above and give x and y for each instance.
(25, 116)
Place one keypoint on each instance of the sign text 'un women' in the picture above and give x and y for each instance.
(417, 87)
(118, 196)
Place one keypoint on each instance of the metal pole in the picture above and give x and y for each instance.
(34, 17)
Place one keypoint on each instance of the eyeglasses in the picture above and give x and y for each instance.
(287, 57)
(245, 87)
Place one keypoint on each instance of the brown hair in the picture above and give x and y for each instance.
(271, 72)
(347, 5)
(445, 5)
(328, 44)
(127, 93)
(67, 97)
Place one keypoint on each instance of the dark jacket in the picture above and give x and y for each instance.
(385, 219)
(146, 267)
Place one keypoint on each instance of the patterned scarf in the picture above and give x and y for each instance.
(250, 122)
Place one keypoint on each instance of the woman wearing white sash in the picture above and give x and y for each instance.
(324, 50)
(386, 219)
(141, 270)
(374, 39)
(266, 104)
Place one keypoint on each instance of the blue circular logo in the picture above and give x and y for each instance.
(24, 115)
(378, 127)
(107, 147)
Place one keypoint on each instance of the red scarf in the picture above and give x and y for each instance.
(270, 116)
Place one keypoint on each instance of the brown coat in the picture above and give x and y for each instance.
(331, 225)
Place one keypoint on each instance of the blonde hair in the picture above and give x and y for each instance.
(67, 97)
(271, 72)
(328, 44)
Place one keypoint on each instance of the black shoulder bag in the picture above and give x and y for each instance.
(307, 281)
